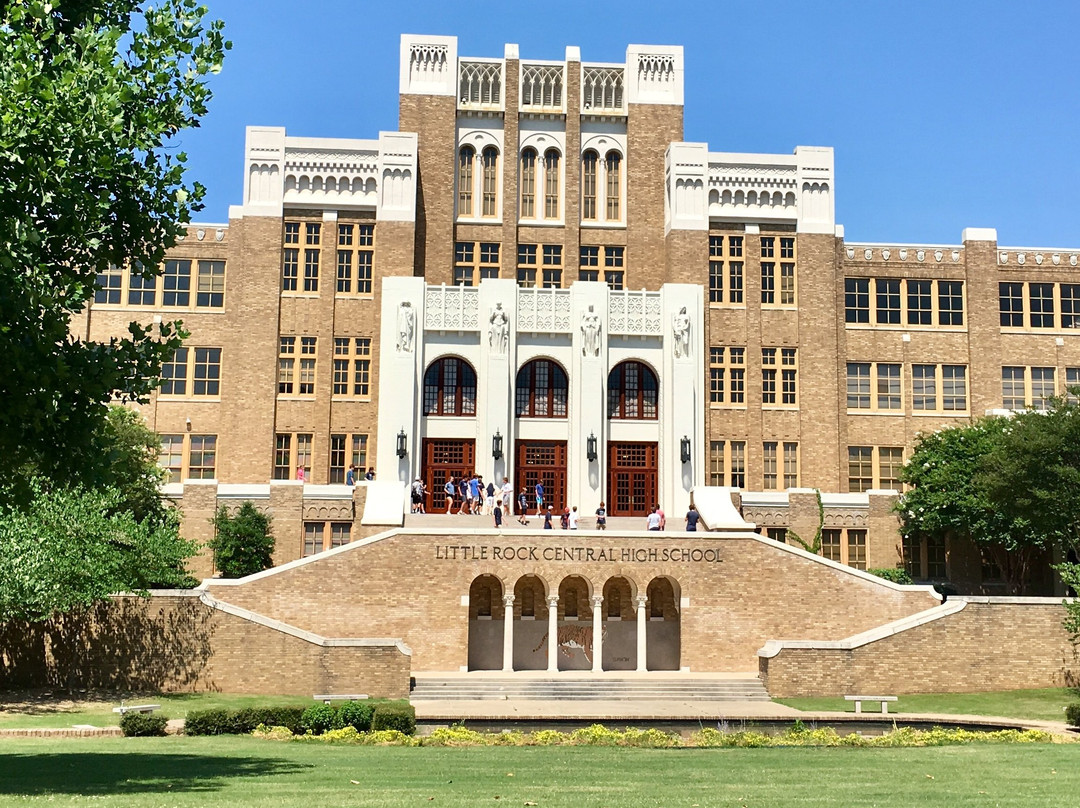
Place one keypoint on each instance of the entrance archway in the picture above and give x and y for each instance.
(663, 629)
(486, 624)
(620, 626)
(575, 639)
(530, 624)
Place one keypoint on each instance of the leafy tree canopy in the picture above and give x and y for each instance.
(93, 95)
(242, 544)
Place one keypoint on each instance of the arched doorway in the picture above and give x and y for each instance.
(486, 624)
(633, 396)
(530, 624)
(663, 636)
(574, 640)
(620, 626)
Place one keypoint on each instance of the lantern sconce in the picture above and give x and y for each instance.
(402, 449)
(685, 446)
(496, 445)
(590, 447)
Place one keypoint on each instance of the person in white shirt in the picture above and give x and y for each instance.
(507, 496)
(653, 522)
(573, 518)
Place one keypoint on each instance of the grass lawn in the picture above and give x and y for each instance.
(54, 712)
(244, 771)
(1047, 704)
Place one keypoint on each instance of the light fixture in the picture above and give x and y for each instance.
(401, 447)
(496, 445)
(187, 423)
(590, 447)
(685, 446)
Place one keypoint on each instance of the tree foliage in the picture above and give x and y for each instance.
(1010, 484)
(93, 96)
(242, 544)
(70, 547)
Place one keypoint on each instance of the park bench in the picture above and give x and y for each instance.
(124, 709)
(860, 699)
(326, 699)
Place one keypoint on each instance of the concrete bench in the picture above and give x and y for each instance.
(860, 699)
(329, 698)
(123, 709)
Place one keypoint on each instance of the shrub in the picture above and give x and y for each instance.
(207, 722)
(894, 574)
(142, 725)
(356, 714)
(1072, 714)
(319, 719)
(272, 733)
(457, 735)
(243, 721)
(243, 544)
(400, 717)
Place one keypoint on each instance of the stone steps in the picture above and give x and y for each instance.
(580, 689)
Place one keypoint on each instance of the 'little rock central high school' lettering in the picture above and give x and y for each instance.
(484, 552)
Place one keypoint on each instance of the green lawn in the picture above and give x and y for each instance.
(244, 771)
(56, 713)
(1047, 704)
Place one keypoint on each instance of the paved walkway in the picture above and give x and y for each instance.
(615, 524)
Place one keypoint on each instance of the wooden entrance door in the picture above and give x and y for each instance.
(543, 461)
(444, 459)
(632, 478)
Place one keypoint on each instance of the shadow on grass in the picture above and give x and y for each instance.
(97, 773)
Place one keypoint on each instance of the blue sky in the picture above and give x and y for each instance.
(943, 115)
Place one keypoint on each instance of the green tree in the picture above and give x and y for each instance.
(71, 547)
(242, 544)
(93, 95)
(126, 458)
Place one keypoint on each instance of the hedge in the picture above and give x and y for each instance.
(400, 717)
(142, 725)
(242, 721)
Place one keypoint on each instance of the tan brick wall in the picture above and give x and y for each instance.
(986, 646)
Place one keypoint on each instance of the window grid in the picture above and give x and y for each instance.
(352, 367)
(292, 450)
(194, 369)
(726, 272)
(874, 467)
(887, 389)
(1027, 387)
(727, 375)
(769, 465)
(355, 258)
(791, 465)
(918, 302)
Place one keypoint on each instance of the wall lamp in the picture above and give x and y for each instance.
(496, 445)
(590, 447)
(402, 448)
(684, 445)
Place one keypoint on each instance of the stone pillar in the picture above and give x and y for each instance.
(553, 633)
(597, 634)
(508, 633)
(642, 624)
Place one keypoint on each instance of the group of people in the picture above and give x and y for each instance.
(350, 476)
(470, 495)
(656, 520)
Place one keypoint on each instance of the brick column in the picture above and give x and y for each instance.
(597, 633)
(508, 633)
(642, 622)
(553, 634)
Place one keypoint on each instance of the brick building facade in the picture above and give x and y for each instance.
(536, 277)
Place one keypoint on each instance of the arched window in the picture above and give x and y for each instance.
(491, 180)
(466, 158)
(528, 184)
(450, 388)
(588, 185)
(632, 392)
(551, 184)
(613, 169)
(541, 390)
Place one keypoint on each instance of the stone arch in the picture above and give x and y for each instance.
(485, 623)
(530, 623)
(663, 630)
(620, 625)
(575, 625)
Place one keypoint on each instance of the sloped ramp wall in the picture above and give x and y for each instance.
(969, 644)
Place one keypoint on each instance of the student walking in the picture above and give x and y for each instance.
(547, 519)
(449, 490)
(573, 518)
(601, 517)
(523, 506)
(692, 517)
(539, 498)
(498, 516)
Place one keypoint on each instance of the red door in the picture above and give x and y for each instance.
(632, 478)
(545, 462)
(444, 459)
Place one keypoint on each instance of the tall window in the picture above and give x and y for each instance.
(614, 261)
(860, 468)
(589, 162)
(856, 300)
(450, 388)
(177, 284)
(110, 284)
(352, 367)
(197, 370)
(1042, 304)
(355, 258)
(888, 300)
(769, 465)
(863, 461)
(613, 170)
(541, 390)
(202, 457)
(632, 392)
(1070, 305)
(920, 303)
(727, 375)
(791, 465)
(466, 164)
(491, 181)
(292, 451)
(551, 184)
(528, 184)
(346, 450)
(1023, 387)
(311, 270)
(886, 387)
(941, 389)
(526, 270)
(788, 370)
(588, 264)
(552, 269)
(716, 269)
(289, 381)
(210, 288)
(1011, 304)
(142, 290)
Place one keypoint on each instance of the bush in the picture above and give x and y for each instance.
(356, 714)
(400, 717)
(142, 725)
(319, 718)
(243, 544)
(894, 574)
(242, 721)
(1072, 714)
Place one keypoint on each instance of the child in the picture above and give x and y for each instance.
(498, 516)
(573, 518)
(601, 517)
(564, 521)
(449, 490)
(547, 519)
(523, 505)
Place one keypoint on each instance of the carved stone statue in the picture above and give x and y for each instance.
(680, 329)
(499, 332)
(406, 324)
(590, 333)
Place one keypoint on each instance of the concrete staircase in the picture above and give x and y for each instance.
(673, 688)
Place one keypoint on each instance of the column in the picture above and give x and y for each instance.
(642, 624)
(597, 634)
(553, 633)
(508, 633)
